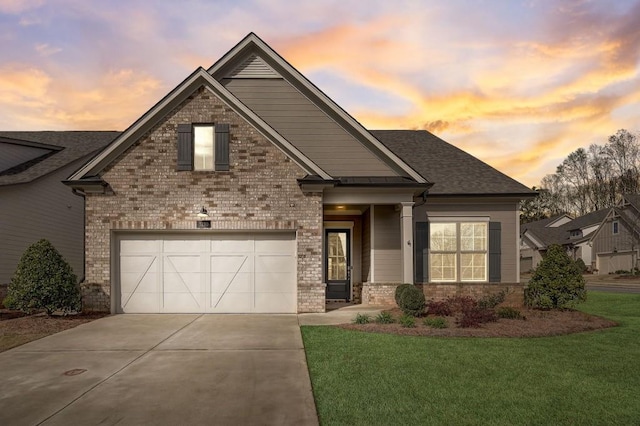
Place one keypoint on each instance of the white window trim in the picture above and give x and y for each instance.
(458, 220)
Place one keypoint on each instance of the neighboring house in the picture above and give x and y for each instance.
(247, 189)
(34, 203)
(573, 234)
(617, 240)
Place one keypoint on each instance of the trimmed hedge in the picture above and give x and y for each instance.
(412, 301)
(399, 290)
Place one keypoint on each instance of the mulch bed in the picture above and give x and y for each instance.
(537, 324)
(17, 323)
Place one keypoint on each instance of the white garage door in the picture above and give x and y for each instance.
(222, 273)
(609, 263)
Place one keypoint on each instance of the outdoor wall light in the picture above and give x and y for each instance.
(203, 213)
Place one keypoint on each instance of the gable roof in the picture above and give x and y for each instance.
(65, 147)
(251, 44)
(548, 235)
(452, 170)
(197, 79)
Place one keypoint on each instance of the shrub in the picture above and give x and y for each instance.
(509, 313)
(493, 300)
(441, 308)
(435, 322)
(581, 266)
(362, 319)
(384, 318)
(43, 281)
(407, 321)
(461, 303)
(475, 316)
(399, 290)
(412, 301)
(556, 283)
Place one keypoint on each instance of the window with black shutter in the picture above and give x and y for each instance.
(203, 147)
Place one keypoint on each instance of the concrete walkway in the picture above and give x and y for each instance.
(161, 370)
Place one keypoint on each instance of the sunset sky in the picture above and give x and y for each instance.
(519, 84)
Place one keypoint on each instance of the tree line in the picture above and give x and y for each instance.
(589, 179)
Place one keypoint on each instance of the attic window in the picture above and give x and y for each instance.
(614, 227)
(203, 147)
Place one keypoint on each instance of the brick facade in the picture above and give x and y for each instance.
(384, 294)
(259, 192)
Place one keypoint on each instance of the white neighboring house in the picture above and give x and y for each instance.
(573, 234)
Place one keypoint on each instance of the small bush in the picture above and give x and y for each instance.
(508, 312)
(412, 301)
(399, 290)
(476, 316)
(362, 319)
(581, 265)
(461, 303)
(43, 281)
(384, 318)
(557, 283)
(441, 308)
(493, 300)
(435, 322)
(407, 321)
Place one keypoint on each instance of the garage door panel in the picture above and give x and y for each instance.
(274, 263)
(226, 273)
(184, 246)
(274, 244)
(139, 246)
(228, 281)
(275, 303)
(273, 282)
(182, 302)
(233, 263)
(141, 302)
(231, 302)
(231, 244)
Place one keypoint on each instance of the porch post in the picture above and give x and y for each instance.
(406, 231)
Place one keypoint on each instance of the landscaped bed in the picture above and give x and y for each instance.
(17, 328)
(534, 323)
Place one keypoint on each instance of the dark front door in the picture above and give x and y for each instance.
(338, 263)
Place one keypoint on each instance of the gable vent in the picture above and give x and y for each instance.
(253, 67)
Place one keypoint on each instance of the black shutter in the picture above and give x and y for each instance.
(495, 252)
(185, 147)
(421, 247)
(222, 147)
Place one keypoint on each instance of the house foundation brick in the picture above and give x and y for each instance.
(259, 192)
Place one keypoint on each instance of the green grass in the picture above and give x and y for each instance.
(588, 378)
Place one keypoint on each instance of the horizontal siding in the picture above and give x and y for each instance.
(387, 250)
(253, 67)
(505, 213)
(307, 127)
(44, 208)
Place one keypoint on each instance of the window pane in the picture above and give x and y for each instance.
(473, 236)
(473, 266)
(203, 140)
(337, 248)
(443, 237)
(443, 267)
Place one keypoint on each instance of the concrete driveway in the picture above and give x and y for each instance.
(161, 370)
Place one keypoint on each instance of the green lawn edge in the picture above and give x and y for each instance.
(585, 378)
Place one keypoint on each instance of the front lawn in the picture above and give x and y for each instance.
(377, 379)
